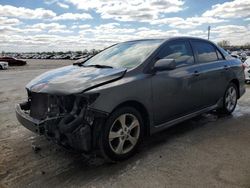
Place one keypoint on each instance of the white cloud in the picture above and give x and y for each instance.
(236, 34)
(57, 2)
(85, 26)
(36, 28)
(25, 13)
(136, 10)
(9, 21)
(197, 33)
(59, 31)
(111, 30)
(157, 33)
(73, 16)
(230, 29)
(110, 33)
(6, 30)
(46, 34)
(49, 27)
(188, 23)
(232, 9)
(44, 26)
(62, 5)
(49, 2)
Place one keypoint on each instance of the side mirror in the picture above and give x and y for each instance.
(235, 56)
(165, 64)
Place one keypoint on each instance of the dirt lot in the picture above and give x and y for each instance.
(207, 151)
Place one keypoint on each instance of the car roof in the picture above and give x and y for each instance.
(170, 38)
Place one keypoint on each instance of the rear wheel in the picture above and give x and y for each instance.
(229, 99)
(121, 134)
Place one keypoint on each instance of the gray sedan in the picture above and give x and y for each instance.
(108, 103)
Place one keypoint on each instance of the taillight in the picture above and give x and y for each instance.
(244, 66)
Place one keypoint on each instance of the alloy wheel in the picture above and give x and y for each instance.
(124, 133)
(231, 98)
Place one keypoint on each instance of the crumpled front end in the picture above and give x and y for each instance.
(68, 120)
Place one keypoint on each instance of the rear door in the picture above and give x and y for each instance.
(176, 92)
(213, 70)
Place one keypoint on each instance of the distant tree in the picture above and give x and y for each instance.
(93, 51)
(247, 45)
(224, 43)
(85, 51)
(78, 52)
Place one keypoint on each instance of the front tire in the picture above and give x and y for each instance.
(230, 99)
(121, 134)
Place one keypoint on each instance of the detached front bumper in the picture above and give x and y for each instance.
(34, 125)
(73, 131)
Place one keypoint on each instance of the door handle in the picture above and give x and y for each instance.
(226, 67)
(196, 73)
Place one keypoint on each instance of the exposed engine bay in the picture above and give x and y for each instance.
(67, 120)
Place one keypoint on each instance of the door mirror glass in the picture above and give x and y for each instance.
(165, 64)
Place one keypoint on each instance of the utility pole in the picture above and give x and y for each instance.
(208, 32)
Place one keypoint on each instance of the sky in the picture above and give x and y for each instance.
(62, 25)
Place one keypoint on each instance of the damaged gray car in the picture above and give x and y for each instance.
(110, 102)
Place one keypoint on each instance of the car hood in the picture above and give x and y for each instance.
(73, 79)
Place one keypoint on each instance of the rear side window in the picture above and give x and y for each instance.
(220, 57)
(180, 51)
(205, 51)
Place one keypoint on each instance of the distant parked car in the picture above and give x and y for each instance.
(248, 54)
(243, 56)
(247, 70)
(108, 103)
(4, 65)
(13, 61)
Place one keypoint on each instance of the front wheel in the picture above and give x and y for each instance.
(229, 99)
(121, 134)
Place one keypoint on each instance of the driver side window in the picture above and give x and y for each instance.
(180, 51)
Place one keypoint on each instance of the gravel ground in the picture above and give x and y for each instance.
(206, 151)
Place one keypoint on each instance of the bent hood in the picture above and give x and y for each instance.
(73, 79)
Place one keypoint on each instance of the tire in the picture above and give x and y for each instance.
(121, 134)
(229, 99)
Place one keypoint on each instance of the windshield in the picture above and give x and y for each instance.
(125, 55)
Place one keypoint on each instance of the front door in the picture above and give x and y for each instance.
(176, 92)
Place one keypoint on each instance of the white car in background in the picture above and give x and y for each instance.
(4, 65)
(247, 70)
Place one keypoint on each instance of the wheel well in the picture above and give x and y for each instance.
(143, 111)
(236, 82)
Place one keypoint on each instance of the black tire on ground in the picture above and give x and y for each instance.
(115, 134)
(229, 99)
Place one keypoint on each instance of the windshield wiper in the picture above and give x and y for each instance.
(98, 66)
